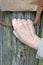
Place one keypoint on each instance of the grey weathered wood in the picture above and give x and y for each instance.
(1, 35)
(13, 51)
(18, 5)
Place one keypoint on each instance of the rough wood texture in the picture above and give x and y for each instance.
(18, 5)
(12, 51)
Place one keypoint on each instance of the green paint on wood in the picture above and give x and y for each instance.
(41, 62)
(42, 32)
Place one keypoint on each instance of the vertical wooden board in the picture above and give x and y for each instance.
(1, 34)
(6, 41)
(13, 51)
(0, 46)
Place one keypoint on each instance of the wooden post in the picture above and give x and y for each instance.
(13, 52)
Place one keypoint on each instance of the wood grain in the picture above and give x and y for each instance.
(13, 51)
(18, 5)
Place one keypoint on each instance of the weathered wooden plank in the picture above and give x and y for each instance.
(18, 5)
(11, 48)
(1, 40)
(6, 47)
(1, 35)
(13, 51)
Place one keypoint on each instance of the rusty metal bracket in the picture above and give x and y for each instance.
(38, 13)
(2, 23)
(5, 24)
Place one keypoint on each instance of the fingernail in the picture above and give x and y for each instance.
(14, 22)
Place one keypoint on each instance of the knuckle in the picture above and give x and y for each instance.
(29, 21)
(23, 20)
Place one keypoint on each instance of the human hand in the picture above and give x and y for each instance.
(25, 32)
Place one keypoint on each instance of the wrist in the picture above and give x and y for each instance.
(36, 42)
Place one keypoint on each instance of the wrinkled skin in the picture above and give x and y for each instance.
(25, 32)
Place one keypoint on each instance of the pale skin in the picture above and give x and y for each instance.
(25, 32)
